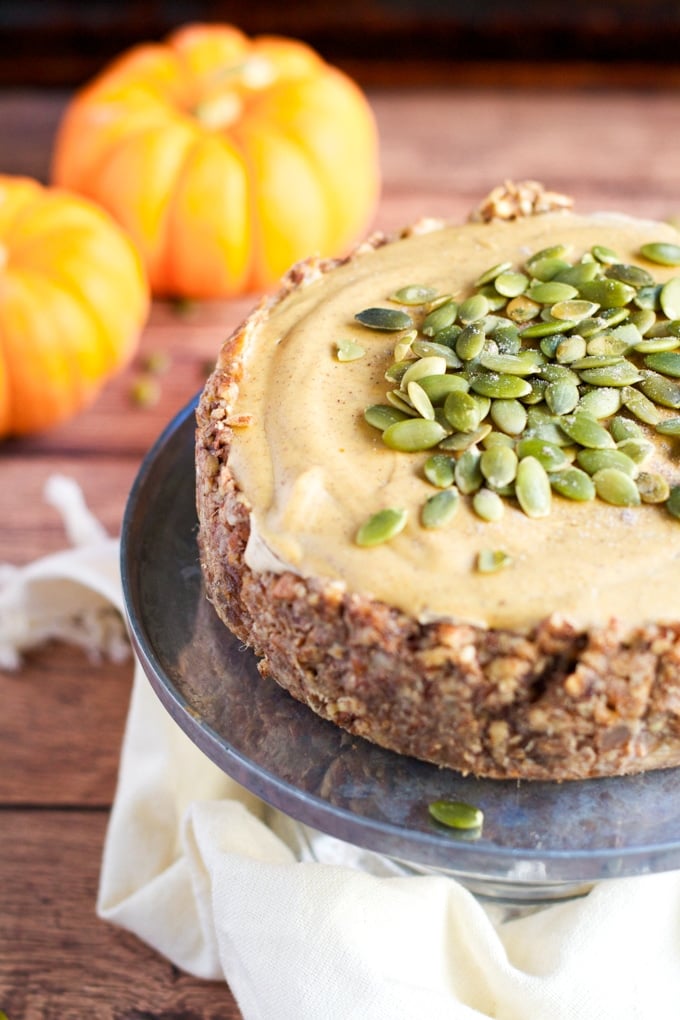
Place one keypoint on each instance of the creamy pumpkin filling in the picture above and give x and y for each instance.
(313, 470)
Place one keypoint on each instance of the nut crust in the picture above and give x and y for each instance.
(553, 704)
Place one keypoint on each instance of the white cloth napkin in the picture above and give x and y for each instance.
(302, 926)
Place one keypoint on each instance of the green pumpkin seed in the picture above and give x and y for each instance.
(413, 434)
(349, 350)
(601, 402)
(509, 416)
(470, 342)
(653, 487)
(438, 387)
(669, 298)
(662, 252)
(669, 427)
(522, 309)
(510, 284)
(666, 362)
(639, 405)
(586, 431)
(467, 472)
(553, 373)
(607, 293)
(490, 561)
(491, 274)
(462, 411)
(498, 465)
(389, 319)
(456, 814)
(604, 254)
(573, 309)
(381, 416)
(593, 461)
(572, 483)
(597, 361)
(624, 373)
(492, 384)
(606, 345)
(549, 455)
(403, 349)
(673, 502)
(657, 345)
(661, 390)
(542, 329)
(561, 397)
(420, 400)
(579, 273)
(623, 428)
(488, 505)
(551, 292)
(570, 349)
(538, 388)
(507, 339)
(463, 440)
(495, 438)
(413, 294)
(381, 527)
(635, 276)
(439, 470)
(439, 318)
(400, 402)
(522, 364)
(430, 348)
(473, 309)
(395, 372)
(644, 319)
(439, 509)
(532, 488)
(448, 335)
(616, 487)
(637, 448)
(420, 369)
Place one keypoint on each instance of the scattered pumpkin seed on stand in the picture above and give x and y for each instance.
(541, 379)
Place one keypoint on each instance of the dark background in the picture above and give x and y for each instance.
(380, 42)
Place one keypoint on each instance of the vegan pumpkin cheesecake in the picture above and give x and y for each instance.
(438, 488)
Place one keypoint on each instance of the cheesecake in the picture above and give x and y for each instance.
(438, 489)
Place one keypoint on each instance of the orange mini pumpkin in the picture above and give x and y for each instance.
(226, 159)
(73, 299)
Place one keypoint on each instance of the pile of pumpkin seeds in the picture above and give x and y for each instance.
(547, 378)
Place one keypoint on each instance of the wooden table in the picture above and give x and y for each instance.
(62, 717)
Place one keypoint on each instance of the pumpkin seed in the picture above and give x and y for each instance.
(666, 362)
(413, 294)
(420, 400)
(669, 427)
(467, 472)
(439, 509)
(498, 465)
(601, 402)
(561, 397)
(509, 416)
(473, 309)
(438, 387)
(381, 527)
(420, 369)
(604, 254)
(616, 487)
(570, 349)
(488, 505)
(549, 455)
(573, 309)
(430, 348)
(510, 284)
(507, 339)
(623, 428)
(586, 431)
(542, 329)
(522, 309)
(492, 384)
(470, 342)
(489, 561)
(644, 319)
(572, 483)
(403, 349)
(462, 411)
(673, 502)
(633, 275)
(559, 373)
(439, 318)
(538, 388)
(462, 440)
(607, 293)
(532, 488)
(448, 335)
(456, 814)
(606, 345)
(491, 274)
(669, 298)
(637, 448)
(439, 470)
(662, 252)
(596, 460)
(661, 390)
(522, 364)
(551, 292)
(579, 273)
(389, 319)
(641, 406)
(413, 434)
(349, 350)
(400, 402)
(395, 372)
(495, 438)
(380, 416)
(653, 487)
(657, 345)
(623, 373)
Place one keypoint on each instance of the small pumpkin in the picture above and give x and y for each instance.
(226, 158)
(73, 299)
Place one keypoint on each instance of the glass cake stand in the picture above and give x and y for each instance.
(540, 840)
